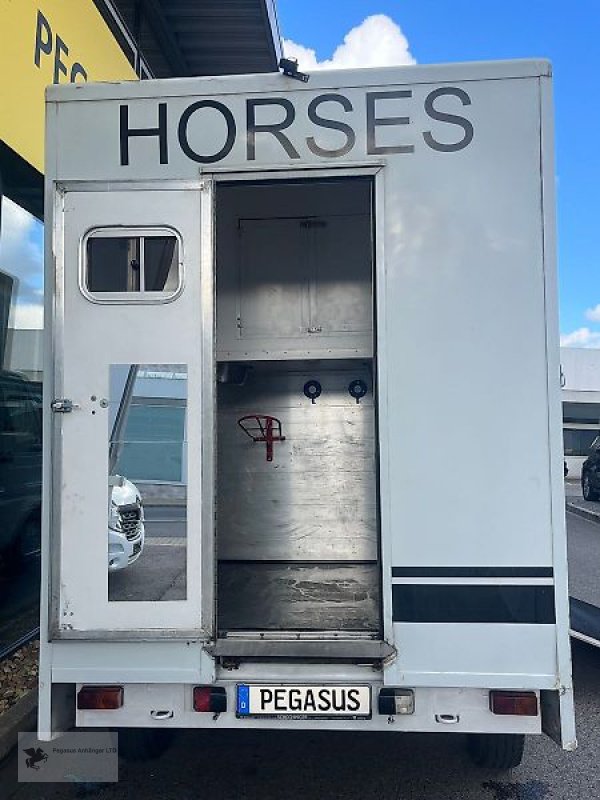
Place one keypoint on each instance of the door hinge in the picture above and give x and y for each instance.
(63, 406)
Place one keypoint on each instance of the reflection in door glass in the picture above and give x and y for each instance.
(147, 482)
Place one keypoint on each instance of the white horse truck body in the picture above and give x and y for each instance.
(351, 282)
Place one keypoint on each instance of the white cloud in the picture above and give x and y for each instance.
(593, 314)
(27, 316)
(581, 337)
(377, 42)
(16, 222)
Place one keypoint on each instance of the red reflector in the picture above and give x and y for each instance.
(210, 698)
(521, 704)
(202, 698)
(100, 697)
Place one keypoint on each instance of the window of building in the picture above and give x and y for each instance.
(21, 291)
(21, 366)
(136, 265)
(578, 441)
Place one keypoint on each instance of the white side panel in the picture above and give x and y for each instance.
(499, 656)
(130, 662)
(467, 379)
(565, 733)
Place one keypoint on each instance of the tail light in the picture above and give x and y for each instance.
(519, 704)
(396, 701)
(210, 698)
(104, 698)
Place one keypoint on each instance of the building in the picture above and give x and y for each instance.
(580, 380)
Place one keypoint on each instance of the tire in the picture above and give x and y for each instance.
(499, 751)
(144, 744)
(588, 492)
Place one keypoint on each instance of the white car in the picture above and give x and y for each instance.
(125, 523)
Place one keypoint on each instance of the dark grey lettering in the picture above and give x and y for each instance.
(451, 119)
(59, 66)
(333, 124)
(183, 135)
(373, 122)
(78, 69)
(125, 133)
(276, 129)
(43, 38)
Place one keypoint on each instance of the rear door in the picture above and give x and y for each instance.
(133, 365)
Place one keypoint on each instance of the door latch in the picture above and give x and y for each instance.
(63, 406)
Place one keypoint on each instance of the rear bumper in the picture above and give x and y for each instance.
(436, 711)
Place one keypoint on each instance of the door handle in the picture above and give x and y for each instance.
(63, 405)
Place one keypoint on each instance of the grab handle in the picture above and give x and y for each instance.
(162, 714)
(447, 719)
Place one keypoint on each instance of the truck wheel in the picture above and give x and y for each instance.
(586, 488)
(496, 750)
(144, 744)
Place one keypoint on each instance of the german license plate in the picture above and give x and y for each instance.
(300, 702)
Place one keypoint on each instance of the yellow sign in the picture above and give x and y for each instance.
(44, 42)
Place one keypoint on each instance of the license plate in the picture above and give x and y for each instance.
(301, 702)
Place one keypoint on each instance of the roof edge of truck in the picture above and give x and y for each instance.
(274, 81)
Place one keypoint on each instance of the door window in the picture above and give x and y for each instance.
(130, 267)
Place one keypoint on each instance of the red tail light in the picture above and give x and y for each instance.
(520, 704)
(210, 698)
(100, 697)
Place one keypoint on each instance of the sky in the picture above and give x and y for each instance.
(21, 256)
(387, 32)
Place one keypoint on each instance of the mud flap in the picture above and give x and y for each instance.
(56, 711)
(556, 706)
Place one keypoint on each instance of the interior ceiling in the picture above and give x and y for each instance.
(179, 38)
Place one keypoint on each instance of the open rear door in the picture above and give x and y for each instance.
(132, 423)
